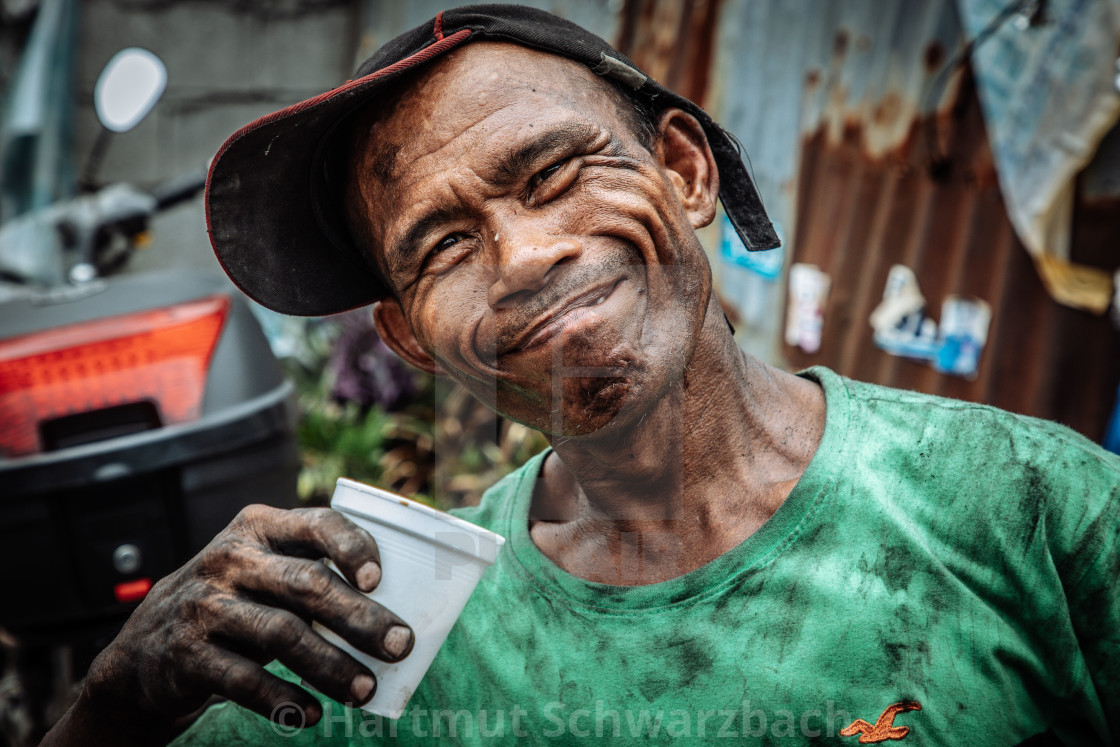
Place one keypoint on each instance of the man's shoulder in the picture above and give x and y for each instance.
(1024, 464)
(992, 429)
(976, 476)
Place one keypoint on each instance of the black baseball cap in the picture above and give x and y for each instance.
(273, 196)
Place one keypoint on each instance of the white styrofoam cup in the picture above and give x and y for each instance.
(430, 563)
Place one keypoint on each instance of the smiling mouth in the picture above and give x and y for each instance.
(553, 322)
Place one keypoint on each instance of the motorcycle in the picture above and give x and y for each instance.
(138, 414)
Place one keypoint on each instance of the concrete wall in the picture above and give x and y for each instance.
(228, 63)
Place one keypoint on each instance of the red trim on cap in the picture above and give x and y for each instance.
(439, 26)
(412, 60)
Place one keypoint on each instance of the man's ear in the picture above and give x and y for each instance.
(388, 319)
(682, 148)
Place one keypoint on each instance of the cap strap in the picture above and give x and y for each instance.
(611, 68)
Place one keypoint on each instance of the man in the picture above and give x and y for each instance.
(711, 548)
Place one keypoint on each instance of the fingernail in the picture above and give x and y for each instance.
(361, 688)
(368, 576)
(397, 640)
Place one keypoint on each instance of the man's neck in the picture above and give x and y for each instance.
(698, 474)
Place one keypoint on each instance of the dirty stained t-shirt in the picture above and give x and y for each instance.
(943, 573)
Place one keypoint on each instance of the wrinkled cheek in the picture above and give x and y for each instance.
(448, 326)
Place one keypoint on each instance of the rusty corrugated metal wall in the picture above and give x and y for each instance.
(858, 214)
(838, 104)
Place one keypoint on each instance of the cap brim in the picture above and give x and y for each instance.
(261, 206)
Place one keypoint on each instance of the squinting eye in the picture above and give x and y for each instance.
(448, 241)
(542, 176)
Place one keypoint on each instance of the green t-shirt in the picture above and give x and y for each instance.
(941, 567)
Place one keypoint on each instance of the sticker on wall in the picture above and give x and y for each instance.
(900, 322)
(964, 331)
(903, 329)
(808, 295)
(766, 263)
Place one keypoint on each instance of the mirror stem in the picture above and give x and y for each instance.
(87, 181)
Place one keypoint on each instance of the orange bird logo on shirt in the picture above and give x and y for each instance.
(884, 728)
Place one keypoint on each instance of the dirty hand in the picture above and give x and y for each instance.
(247, 598)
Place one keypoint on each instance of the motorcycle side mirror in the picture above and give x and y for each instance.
(128, 88)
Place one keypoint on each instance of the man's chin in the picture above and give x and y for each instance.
(593, 405)
(602, 410)
(590, 388)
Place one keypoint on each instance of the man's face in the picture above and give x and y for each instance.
(541, 255)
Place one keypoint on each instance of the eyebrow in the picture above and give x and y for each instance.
(555, 140)
(407, 248)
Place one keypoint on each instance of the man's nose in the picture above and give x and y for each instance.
(527, 257)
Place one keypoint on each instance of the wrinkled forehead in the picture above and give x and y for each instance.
(462, 90)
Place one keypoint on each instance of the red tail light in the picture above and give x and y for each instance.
(130, 591)
(157, 355)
